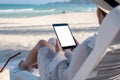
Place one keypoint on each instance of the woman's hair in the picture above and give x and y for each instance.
(103, 13)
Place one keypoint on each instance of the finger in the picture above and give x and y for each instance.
(58, 47)
(76, 40)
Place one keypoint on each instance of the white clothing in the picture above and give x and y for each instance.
(56, 66)
(64, 65)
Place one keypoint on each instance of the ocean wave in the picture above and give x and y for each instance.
(49, 10)
(16, 10)
(31, 10)
(88, 10)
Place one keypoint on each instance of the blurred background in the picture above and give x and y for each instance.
(24, 22)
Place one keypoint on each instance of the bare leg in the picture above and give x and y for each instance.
(32, 56)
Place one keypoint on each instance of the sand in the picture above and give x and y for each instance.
(21, 34)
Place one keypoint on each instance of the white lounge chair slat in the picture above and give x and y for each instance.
(109, 29)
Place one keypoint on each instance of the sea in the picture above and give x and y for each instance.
(34, 10)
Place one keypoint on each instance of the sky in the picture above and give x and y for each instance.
(29, 1)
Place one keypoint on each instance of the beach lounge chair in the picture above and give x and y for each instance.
(108, 32)
(109, 29)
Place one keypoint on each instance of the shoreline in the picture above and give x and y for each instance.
(77, 15)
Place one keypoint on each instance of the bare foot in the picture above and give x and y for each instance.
(23, 66)
(35, 66)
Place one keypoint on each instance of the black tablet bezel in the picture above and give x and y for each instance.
(64, 24)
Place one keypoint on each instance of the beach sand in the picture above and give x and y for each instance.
(21, 34)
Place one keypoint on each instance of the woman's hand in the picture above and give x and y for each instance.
(76, 40)
(58, 47)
